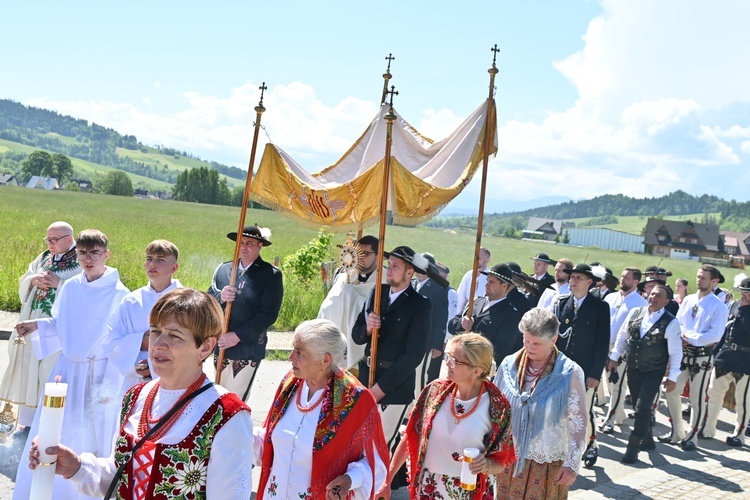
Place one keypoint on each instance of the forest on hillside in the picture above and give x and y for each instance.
(92, 142)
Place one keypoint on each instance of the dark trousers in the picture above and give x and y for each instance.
(643, 386)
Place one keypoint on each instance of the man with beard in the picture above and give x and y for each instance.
(560, 287)
(348, 294)
(620, 304)
(703, 317)
(584, 338)
(650, 336)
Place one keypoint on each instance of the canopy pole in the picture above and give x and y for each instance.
(390, 117)
(489, 131)
(259, 109)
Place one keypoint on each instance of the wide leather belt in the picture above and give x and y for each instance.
(693, 351)
(380, 363)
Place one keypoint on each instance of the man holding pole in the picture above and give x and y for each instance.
(404, 332)
(256, 299)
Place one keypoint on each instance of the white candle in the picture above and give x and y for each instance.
(468, 480)
(50, 427)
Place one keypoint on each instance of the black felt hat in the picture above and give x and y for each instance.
(503, 272)
(582, 269)
(650, 279)
(255, 232)
(543, 257)
(744, 285)
(420, 263)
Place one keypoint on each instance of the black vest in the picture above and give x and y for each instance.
(733, 355)
(652, 351)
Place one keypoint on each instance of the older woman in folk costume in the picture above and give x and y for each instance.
(463, 411)
(77, 330)
(25, 377)
(323, 437)
(197, 452)
(547, 396)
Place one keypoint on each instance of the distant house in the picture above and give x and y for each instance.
(545, 229)
(37, 182)
(683, 239)
(8, 180)
(606, 239)
(737, 244)
(83, 185)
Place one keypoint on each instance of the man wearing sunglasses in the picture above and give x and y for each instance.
(38, 291)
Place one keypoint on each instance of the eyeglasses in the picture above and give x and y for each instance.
(452, 362)
(54, 240)
(93, 256)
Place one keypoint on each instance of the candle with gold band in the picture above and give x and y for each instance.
(50, 427)
(468, 480)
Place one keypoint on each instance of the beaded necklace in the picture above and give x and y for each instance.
(458, 416)
(145, 422)
(309, 408)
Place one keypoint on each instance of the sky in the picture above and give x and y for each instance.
(638, 97)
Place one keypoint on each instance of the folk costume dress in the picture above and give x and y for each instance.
(549, 425)
(435, 439)
(205, 453)
(130, 322)
(23, 381)
(305, 443)
(77, 329)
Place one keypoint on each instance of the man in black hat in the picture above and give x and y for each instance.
(518, 299)
(703, 318)
(732, 364)
(429, 370)
(493, 315)
(650, 336)
(256, 301)
(403, 338)
(584, 338)
(541, 264)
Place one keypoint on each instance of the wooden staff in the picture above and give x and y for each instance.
(489, 130)
(390, 117)
(259, 109)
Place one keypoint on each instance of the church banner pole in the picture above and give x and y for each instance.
(489, 131)
(390, 117)
(259, 109)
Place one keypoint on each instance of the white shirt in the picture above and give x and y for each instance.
(465, 287)
(619, 307)
(549, 296)
(293, 436)
(702, 320)
(672, 334)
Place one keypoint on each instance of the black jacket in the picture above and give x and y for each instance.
(255, 308)
(584, 337)
(438, 297)
(737, 332)
(499, 324)
(548, 280)
(402, 343)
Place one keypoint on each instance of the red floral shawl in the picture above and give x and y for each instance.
(348, 426)
(498, 445)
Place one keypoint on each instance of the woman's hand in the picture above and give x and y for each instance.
(565, 476)
(67, 462)
(480, 465)
(338, 488)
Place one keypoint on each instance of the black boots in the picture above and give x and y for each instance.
(631, 452)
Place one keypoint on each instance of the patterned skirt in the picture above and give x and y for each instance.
(536, 483)
(435, 486)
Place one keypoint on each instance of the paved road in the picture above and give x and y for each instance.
(714, 471)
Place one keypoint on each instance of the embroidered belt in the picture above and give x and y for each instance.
(381, 364)
(693, 351)
(737, 347)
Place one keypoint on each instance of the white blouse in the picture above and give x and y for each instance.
(292, 439)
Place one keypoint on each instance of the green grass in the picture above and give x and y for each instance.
(634, 224)
(86, 167)
(200, 233)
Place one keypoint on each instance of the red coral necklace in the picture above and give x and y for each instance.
(458, 416)
(145, 422)
(299, 399)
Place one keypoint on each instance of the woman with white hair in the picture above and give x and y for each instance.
(548, 414)
(323, 437)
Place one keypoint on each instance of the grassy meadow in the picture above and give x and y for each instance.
(200, 233)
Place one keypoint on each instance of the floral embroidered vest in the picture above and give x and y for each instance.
(179, 470)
